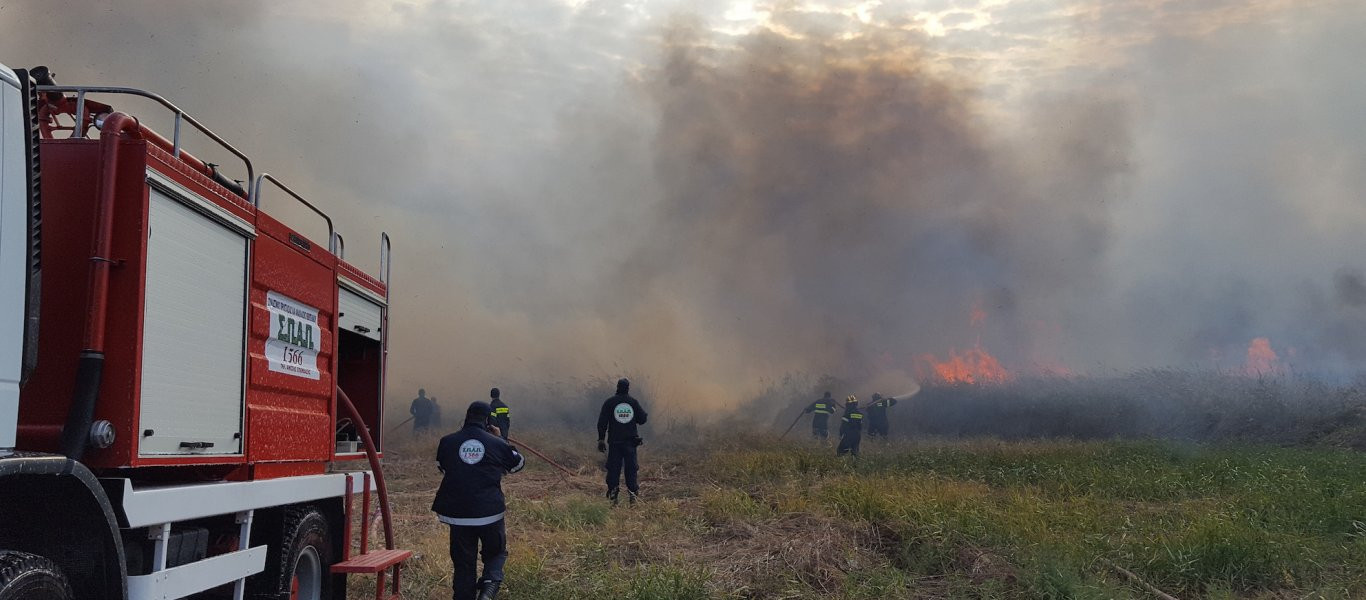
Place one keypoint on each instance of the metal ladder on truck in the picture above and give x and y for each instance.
(386, 562)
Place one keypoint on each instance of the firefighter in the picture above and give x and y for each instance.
(470, 500)
(820, 423)
(617, 437)
(851, 427)
(421, 409)
(877, 415)
(501, 418)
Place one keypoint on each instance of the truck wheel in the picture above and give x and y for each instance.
(31, 577)
(300, 562)
(307, 582)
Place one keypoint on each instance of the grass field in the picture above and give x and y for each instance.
(961, 519)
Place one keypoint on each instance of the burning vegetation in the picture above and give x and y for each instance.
(1262, 360)
(970, 367)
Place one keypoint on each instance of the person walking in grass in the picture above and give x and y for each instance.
(618, 437)
(851, 427)
(470, 500)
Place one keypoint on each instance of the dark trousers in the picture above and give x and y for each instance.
(622, 455)
(849, 443)
(465, 548)
(877, 428)
(820, 431)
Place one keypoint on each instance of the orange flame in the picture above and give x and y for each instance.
(1261, 359)
(973, 366)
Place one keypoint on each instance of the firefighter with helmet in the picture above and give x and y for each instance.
(501, 413)
(470, 500)
(820, 423)
(617, 436)
(851, 427)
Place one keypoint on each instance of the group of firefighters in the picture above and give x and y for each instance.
(425, 412)
(474, 459)
(851, 421)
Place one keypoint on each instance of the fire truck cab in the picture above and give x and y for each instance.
(185, 381)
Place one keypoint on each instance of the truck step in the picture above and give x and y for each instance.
(372, 562)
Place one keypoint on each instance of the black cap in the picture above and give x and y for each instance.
(827, 394)
(493, 393)
(623, 385)
(478, 412)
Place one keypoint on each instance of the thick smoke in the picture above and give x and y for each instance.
(830, 204)
(583, 190)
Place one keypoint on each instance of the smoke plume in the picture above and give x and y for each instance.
(706, 202)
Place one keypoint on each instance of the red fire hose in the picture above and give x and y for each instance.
(372, 455)
(542, 457)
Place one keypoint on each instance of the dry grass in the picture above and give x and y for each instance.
(971, 519)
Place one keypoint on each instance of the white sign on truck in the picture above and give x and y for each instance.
(292, 348)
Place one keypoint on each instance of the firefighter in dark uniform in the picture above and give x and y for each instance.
(877, 415)
(470, 500)
(501, 417)
(421, 409)
(820, 423)
(617, 437)
(851, 427)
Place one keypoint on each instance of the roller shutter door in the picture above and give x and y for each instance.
(193, 333)
(358, 314)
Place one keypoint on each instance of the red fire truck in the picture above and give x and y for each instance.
(183, 378)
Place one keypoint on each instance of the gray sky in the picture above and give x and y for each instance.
(704, 194)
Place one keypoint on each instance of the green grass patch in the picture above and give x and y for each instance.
(529, 580)
(722, 505)
(1190, 520)
(572, 513)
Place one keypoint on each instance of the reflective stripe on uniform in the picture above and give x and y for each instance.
(475, 522)
(500, 411)
(856, 416)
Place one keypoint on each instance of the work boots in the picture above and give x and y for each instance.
(488, 589)
(612, 494)
(634, 497)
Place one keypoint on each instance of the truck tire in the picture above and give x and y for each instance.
(299, 565)
(31, 577)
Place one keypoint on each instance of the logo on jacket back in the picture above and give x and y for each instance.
(623, 413)
(472, 451)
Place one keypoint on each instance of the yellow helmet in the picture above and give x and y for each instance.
(850, 399)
